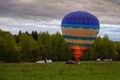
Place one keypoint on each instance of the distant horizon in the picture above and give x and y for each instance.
(51, 33)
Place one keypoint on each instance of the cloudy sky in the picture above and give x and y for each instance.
(46, 15)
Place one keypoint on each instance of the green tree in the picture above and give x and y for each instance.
(117, 47)
(60, 50)
(8, 47)
(43, 45)
(27, 47)
(104, 48)
(109, 47)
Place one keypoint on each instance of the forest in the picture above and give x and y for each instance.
(30, 47)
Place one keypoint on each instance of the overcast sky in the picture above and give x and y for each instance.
(46, 15)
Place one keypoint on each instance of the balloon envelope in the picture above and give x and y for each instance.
(80, 28)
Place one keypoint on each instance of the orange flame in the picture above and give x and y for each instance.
(78, 51)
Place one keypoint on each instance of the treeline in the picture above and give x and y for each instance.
(30, 47)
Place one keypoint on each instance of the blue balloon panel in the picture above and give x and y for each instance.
(80, 18)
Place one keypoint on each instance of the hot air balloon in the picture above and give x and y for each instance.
(80, 29)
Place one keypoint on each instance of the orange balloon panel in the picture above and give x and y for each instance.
(78, 47)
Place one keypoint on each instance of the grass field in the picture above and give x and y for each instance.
(60, 71)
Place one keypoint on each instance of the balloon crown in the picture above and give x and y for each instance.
(80, 18)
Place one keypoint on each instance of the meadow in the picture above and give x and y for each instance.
(87, 70)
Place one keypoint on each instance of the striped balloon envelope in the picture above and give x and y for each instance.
(80, 29)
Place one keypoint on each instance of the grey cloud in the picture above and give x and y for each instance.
(50, 9)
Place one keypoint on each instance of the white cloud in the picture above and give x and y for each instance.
(51, 26)
(112, 30)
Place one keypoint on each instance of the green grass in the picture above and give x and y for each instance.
(60, 71)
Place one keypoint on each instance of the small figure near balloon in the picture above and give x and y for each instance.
(72, 62)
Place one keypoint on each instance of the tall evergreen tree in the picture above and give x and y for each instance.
(35, 35)
(20, 32)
